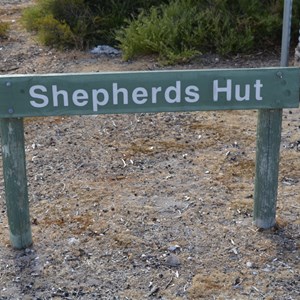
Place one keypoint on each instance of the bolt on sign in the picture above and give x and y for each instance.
(162, 91)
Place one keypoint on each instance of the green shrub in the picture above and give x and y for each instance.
(4, 27)
(84, 23)
(31, 17)
(54, 33)
(224, 31)
(112, 14)
(253, 22)
(167, 30)
(60, 23)
(176, 30)
(186, 27)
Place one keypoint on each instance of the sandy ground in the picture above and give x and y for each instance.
(147, 206)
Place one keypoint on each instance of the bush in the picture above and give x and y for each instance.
(80, 23)
(176, 30)
(184, 27)
(61, 23)
(4, 27)
(112, 14)
(167, 30)
(54, 33)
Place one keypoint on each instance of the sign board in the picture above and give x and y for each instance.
(266, 89)
(157, 91)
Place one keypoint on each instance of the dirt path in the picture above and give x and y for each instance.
(147, 206)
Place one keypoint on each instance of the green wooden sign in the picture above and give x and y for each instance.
(266, 89)
(159, 91)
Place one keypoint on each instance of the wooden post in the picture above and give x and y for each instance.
(14, 170)
(267, 166)
(268, 143)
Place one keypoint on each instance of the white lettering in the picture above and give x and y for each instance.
(238, 96)
(56, 93)
(258, 85)
(192, 94)
(95, 99)
(116, 92)
(139, 95)
(217, 90)
(155, 91)
(40, 96)
(33, 94)
(173, 89)
(78, 96)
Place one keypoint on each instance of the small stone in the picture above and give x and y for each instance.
(172, 261)
(267, 270)
(174, 248)
(72, 241)
(249, 264)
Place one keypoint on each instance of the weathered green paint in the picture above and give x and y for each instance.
(159, 91)
(267, 165)
(14, 169)
(268, 144)
(266, 89)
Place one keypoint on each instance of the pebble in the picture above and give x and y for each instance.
(72, 241)
(249, 264)
(172, 261)
(267, 270)
(173, 248)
